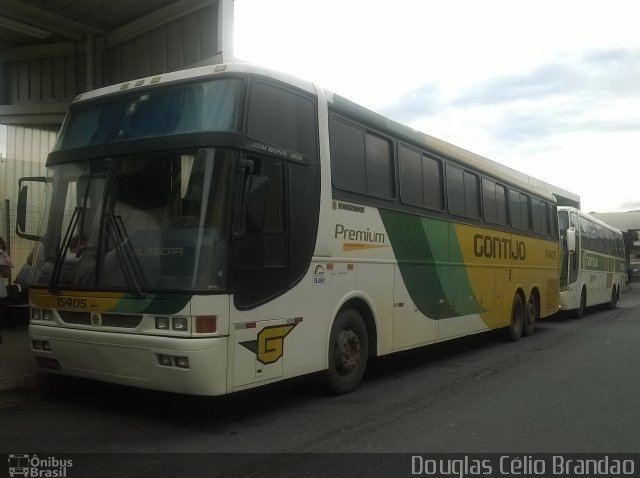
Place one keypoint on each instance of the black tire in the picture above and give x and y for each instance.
(514, 331)
(348, 352)
(614, 298)
(579, 312)
(531, 316)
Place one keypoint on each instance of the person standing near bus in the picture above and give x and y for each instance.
(24, 276)
(5, 269)
(5, 266)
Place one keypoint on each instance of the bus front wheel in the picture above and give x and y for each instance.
(514, 331)
(348, 352)
(579, 312)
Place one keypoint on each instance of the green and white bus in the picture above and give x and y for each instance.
(593, 262)
(212, 230)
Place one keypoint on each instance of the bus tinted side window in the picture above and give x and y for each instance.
(541, 219)
(494, 197)
(514, 202)
(432, 183)
(420, 179)
(361, 161)
(347, 156)
(520, 209)
(380, 177)
(501, 204)
(463, 192)
(282, 118)
(471, 195)
(410, 165)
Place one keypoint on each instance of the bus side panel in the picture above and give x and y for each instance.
(287, 336)
(375, 285)
(410, 327)
(435, 277)
(498, 264)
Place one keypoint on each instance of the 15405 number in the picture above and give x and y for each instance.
(71, 302)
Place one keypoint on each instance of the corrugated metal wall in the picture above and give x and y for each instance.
(179, 43)
(27, 151)
(42, 80)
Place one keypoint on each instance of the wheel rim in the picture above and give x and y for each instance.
(347, 352)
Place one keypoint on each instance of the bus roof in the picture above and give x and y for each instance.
(590, 217)
(435, 145)
(194, 73)
(431, 143)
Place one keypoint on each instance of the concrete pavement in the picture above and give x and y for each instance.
(18, 369)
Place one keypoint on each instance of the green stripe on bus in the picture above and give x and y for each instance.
(431, 264)
(598, 262)
(165, 304)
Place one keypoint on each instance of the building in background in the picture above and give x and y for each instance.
(629, 224)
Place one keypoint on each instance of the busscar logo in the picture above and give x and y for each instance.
(319, 276)
(269, 344)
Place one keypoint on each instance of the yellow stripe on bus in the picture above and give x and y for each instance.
(76, 300)
(351, 246)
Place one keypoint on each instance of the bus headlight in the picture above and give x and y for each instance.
(162, 323)
(181, 324)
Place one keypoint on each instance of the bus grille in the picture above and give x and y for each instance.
(126, 321)
(78, 318)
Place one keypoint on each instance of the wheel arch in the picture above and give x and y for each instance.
(583, 287)
(362, 305)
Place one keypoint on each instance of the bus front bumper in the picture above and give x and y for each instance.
(194, 366)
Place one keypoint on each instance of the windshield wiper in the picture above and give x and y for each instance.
(127, 260)
(64, 247)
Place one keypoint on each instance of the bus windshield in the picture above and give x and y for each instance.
(563, 221)
(138, 223)
(204, 106)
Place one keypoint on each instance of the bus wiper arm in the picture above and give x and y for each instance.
(57, 267)
(127, 260)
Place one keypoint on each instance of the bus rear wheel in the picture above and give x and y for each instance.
(348, 352)
(531, 316)
(514, 331)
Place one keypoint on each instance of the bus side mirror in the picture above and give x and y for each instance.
(571, 239)
(21, 220)
(29, 199)
(256, 187)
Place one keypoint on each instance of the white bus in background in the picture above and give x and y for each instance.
(592, 270)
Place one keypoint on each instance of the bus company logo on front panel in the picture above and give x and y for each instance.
(269, 344)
